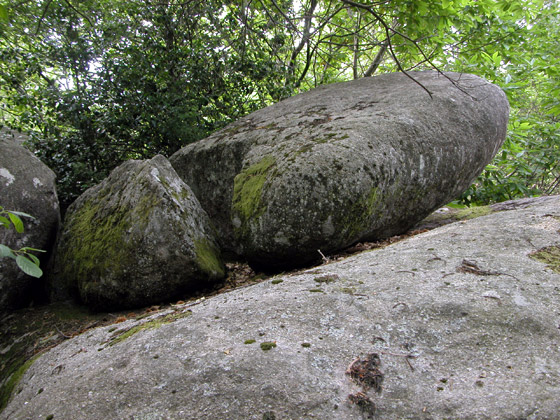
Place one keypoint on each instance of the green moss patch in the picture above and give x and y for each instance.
(208, 258)
(8, 386)
(454, 214)
(268, 345)
(330, 137)
(357, 217)
(248, 186)
(31, 330)
(250, 341)
(98, 242)
(123, 334)
(180, 196)
(550, 256)
(473, 212)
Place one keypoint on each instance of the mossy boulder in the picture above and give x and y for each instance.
(26, 185)
(347, 162)
(136, 239)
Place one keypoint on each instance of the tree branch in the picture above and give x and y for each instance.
(285, 16)
(380, 54)
(377, 60)
(78, 12)
(306, 33)
(42, 17)
(388, 31)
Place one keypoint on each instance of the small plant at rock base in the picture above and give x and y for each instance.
(24, 258)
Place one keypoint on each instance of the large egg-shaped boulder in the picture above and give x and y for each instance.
(346, 162)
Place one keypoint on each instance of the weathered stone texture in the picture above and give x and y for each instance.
(136, 239)
(463, 320)
(28, 186)
(353, 161)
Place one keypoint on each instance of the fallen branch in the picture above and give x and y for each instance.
(325, 259)
(62, 334)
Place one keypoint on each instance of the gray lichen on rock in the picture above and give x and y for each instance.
(342, 163)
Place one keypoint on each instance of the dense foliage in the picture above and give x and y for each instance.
(97, 82)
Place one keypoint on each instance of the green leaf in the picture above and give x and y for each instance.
(3, 13)
(28, 266)
(34, 259)
(6, 251)
(20, 213)
(496, 59)
(18, 224)
(4, 221)
(27, 249)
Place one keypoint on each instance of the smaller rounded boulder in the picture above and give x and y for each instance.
(138, 238)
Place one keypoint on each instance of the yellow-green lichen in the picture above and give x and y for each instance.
(183, 195)
(371, 201)
(550, 256)
(98, 241)
(358, 217)
(268, 127)
(473, 212)
(208, 258)
(248, 186)
(11, 382)
(122, 335)
(452, 213)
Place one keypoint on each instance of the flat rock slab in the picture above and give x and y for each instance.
(459, 322)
